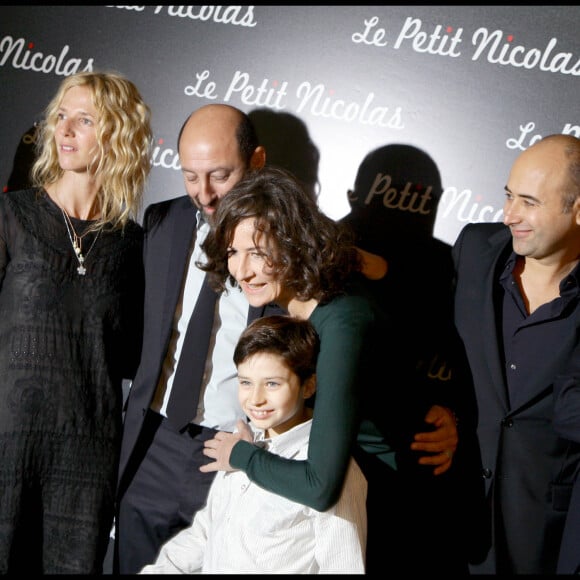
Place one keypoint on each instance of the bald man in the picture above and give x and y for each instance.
(517, 309)
(160, 485)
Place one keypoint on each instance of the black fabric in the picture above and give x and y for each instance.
(423, 364)
(66, 343)
(184, 397)
(165, 493)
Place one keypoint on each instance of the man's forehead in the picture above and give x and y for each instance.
(208, 167)
(206, 146)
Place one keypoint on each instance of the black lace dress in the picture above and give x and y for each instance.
(66, 342)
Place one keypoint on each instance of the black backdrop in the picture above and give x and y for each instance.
(471, 86)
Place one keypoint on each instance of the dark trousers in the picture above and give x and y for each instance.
(162, 492)
(411, 521)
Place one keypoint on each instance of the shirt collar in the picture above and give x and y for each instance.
(286, 444)
(509, 266)
(572, 280)
(200, 219)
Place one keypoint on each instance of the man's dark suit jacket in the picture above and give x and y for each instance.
(567, 424)
(527, 466)
(169, 228)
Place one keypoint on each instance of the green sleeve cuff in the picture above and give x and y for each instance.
(241, 454)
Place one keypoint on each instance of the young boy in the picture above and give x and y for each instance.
(246, 529)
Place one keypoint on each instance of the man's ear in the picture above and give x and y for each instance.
(309, 387)
(576, 209)
(258, 159)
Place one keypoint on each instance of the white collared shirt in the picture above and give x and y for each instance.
(218, 402)
(245, 529)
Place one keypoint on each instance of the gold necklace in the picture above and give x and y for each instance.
(77, 242)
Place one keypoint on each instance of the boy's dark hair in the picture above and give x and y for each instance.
(293, 339)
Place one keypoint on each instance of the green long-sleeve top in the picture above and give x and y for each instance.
(345, 326)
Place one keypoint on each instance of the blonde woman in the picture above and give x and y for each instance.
(71, 286)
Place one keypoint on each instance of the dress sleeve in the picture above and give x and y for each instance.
(3, 248)
(132, 305)
(343, 326)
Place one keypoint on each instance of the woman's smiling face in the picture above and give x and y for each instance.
(249, 262)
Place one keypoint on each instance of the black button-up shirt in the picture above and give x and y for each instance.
(529, 340)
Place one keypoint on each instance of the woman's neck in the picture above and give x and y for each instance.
(78, 198)
(300, 309)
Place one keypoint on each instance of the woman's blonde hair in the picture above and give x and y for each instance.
(124, 136)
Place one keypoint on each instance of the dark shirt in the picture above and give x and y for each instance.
(528, 339)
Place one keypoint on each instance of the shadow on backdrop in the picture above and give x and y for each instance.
(23, 160)
(393, 211)
(288, 145)
(396, 193)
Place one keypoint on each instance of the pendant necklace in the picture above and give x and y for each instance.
(77, 242)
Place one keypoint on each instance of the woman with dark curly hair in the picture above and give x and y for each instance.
(71, 288)
(271, 239)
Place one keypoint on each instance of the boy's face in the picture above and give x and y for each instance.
(270, 393)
